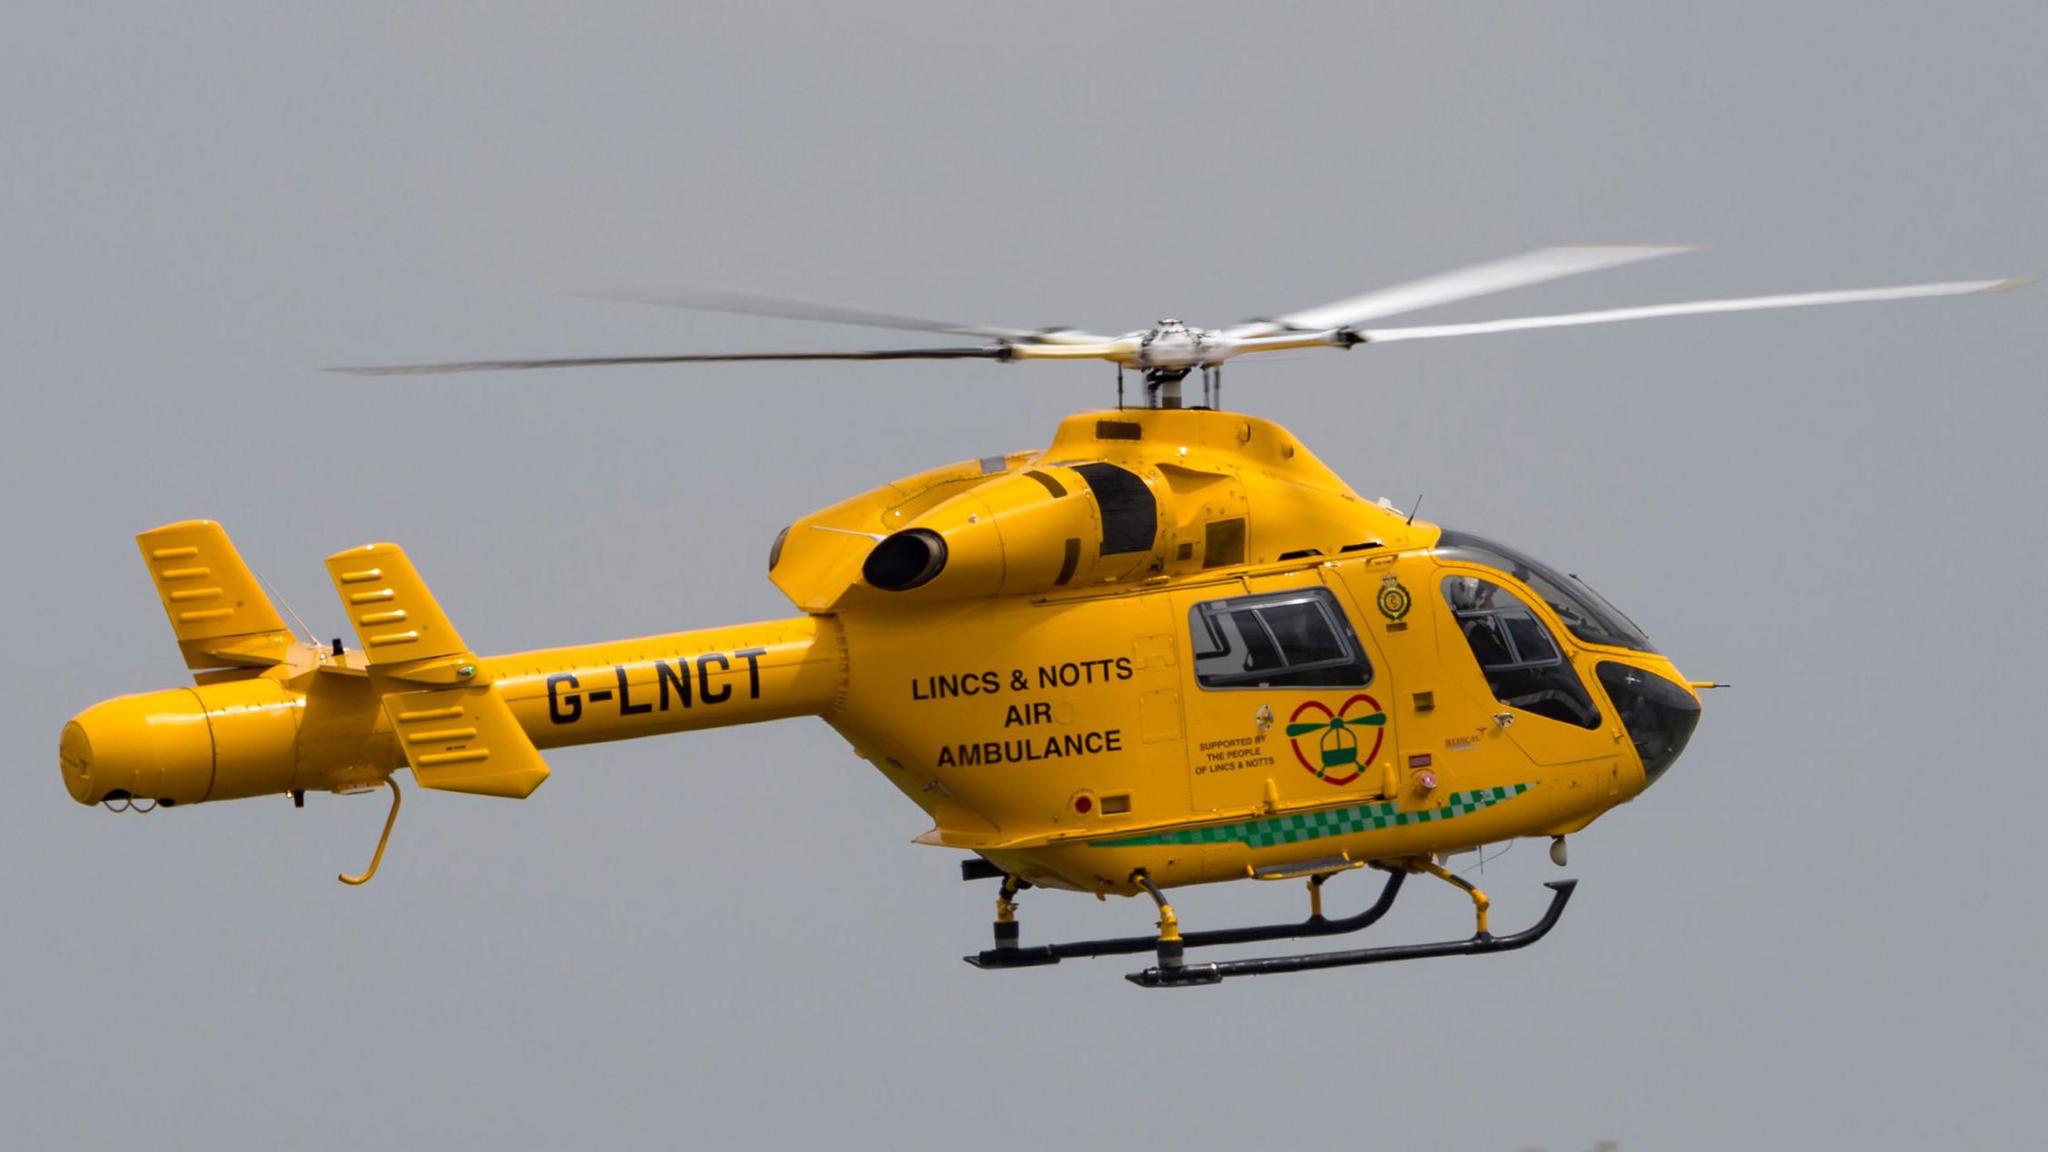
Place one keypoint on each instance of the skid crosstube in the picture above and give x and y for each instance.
(1194, 974)
(1019, 957)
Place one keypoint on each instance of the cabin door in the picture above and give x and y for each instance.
(1283, 697)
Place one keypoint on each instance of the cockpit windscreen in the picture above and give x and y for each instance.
(1585, 612)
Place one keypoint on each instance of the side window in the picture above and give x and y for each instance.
(1277, 640)
(1522, 663)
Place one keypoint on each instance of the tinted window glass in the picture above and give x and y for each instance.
(1304, 634)
(1279, 640)
(1585, 612)
(1489, 641)
(1532, 640)
(1259, 653)
(1658, 714)
(1522, 664)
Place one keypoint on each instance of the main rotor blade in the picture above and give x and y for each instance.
(1124, 350)
(790, 308)
(1694, 308)
(1463, 284)
(990, 353)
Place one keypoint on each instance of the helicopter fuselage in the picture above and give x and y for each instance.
(1258, 669)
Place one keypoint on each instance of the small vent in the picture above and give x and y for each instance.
(1051, 485)
(1301, 553)
(1071, 561)
(1116, 805)
(1119, 430)
(1362, 546)
(1186, 551)
(1224, 543)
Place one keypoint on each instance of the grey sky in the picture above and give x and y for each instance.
(1816, 931)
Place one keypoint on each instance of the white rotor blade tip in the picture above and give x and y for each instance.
(1529, 268)
(1695, 308)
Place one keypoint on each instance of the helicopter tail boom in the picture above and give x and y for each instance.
(684, 681)
(271, 716)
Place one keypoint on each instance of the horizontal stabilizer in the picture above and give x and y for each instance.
(216, 606)
(465, 740)
(393, 614)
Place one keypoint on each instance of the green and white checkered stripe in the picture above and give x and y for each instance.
(1279, 830)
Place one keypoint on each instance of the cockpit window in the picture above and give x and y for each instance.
(1522, 663)
(1278, 640)
(1658, 714)
(1585, 612)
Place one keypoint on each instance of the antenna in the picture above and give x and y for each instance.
(1417, 507)
(286, 604)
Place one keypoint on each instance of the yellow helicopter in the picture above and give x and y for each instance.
(1170, 648)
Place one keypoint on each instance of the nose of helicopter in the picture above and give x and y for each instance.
(1658, 713)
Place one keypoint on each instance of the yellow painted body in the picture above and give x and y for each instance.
(1035, 693)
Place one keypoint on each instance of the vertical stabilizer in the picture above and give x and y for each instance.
(457, 732)
(215, 604)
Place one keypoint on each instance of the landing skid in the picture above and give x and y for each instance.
(1170, 944)
(1013, 956)
(1172, 976)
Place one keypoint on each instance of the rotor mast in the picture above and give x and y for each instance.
(1168, 353)
(1162, 386)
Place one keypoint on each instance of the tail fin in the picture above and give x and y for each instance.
(457, 733)
(215, 604)
(394, 615)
